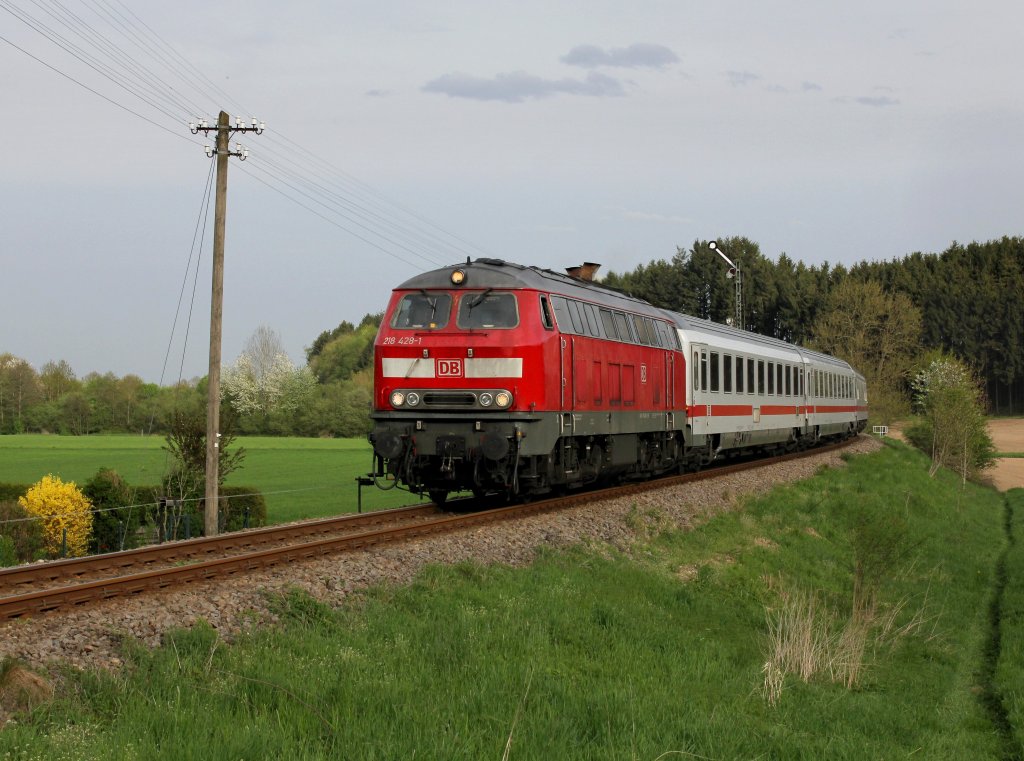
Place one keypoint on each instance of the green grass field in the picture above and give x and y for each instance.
(591, 653)
(301, 478)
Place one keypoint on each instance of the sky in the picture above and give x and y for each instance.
(401, 136)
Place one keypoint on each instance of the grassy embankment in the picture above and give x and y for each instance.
(658, 653)
(1008, 670)
(301, 478)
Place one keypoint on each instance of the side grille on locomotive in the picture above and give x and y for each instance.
(449, 399)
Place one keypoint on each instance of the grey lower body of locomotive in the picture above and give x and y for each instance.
(532, 453)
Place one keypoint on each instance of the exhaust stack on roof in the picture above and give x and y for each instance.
(584, 272)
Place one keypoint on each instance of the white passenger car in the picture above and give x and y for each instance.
(747, 390)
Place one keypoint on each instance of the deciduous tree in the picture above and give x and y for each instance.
(876, 332)
(952, 428)
(263, 378)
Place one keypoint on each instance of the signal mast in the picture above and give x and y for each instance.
(736, 274)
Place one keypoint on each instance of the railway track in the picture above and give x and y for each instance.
(60, 585)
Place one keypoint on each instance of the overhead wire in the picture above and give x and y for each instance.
(173, 87)
(368, 210)
(97, 93)
(354, 203)
(329, 220)
(132, 68)
(347, 209)
(200, 226)
(321, 182)
(129, 33)
(196, 79)
(88, 59)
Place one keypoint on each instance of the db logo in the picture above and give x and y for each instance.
(449, 368)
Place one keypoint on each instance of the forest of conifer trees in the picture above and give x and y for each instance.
(969, 299)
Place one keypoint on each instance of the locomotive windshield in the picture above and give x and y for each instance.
(488, 310)
(422, 310)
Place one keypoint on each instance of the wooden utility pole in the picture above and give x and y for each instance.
(216, 320)
(224, 129)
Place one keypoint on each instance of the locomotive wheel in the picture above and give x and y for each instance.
(438, 496)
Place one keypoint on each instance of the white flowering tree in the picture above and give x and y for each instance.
(264, 380)
(952, 427)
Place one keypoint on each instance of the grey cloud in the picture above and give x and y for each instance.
(377, 93)
(741, 78)
(637, 55)
(515, 87)
(810, 87)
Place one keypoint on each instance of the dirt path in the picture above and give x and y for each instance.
(1008, 436)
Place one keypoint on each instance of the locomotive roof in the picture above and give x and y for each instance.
(497, 273)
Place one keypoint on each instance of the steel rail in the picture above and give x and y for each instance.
(44, 601)
(191, 549)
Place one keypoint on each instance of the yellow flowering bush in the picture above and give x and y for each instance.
(60, 506)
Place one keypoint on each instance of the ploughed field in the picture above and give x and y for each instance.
(1008, 436)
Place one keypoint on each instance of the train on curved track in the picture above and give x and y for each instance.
(494, 377)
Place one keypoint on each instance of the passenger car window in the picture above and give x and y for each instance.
(488, 310)
(422, 310)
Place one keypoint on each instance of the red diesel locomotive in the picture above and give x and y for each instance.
(495, 377)
(477, 388)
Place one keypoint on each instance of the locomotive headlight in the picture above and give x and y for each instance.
(397, 399)
(458, 277)
(503, 399)
(486, 400)
(412, 398)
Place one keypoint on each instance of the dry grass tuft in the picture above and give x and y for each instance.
(797, 642)
(21, 690)
(803, 640)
